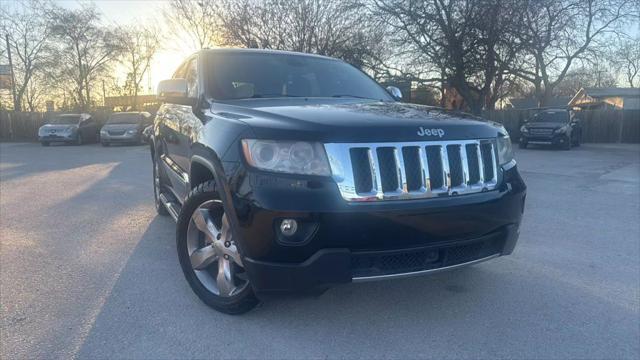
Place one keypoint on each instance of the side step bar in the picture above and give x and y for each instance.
(171, 206)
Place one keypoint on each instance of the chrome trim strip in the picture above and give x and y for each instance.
(422, 272)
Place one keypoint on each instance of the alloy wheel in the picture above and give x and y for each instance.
(213, 253)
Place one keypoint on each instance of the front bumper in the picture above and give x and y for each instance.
(338, 242)
(554, 139)
(57, 137)
(126, 138)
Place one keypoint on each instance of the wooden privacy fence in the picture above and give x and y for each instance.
(605, 126)
(23, 126)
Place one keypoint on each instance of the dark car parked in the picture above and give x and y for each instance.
(552, 127)
(69, 128)
(294, 172)
(125, 128)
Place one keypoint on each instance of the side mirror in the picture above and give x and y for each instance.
(395, 92)
(174, 91)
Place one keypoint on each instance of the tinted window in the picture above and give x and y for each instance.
(192, 78)
(124, 119)
(245, 75)
(551, 116)
(65, 119)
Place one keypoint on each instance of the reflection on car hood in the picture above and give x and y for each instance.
(120, 127)
(544, 125)
(329, 120)
(57, 127)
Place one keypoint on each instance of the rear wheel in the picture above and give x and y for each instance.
(208, 254)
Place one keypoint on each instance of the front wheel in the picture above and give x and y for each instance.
(79, 140)
(522, 144)
(208, 254)
(567, 143)
(45, 143)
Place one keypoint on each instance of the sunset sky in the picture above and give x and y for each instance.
(121, 12)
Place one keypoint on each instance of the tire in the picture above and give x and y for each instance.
(157, 190)
(230, 293)
(79, 139)
(576, 143)
(522, 144)
(567, 144)
(44, 143)
(105, 144)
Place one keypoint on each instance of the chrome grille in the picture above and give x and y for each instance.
(395, 171)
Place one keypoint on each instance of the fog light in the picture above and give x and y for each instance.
(288, 227)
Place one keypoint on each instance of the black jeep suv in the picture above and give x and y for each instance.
(292, 172)
(552, 127)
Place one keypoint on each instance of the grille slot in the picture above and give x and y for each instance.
(434, 160)
(413, 168)
(474, 162)
(362, 174)
(390, 171)
(488, 160)
(455, 165)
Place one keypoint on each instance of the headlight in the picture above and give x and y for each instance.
(523, 129)
(561, 130)
(68, 130)
(131, 132)
(505, 152)
(293, 157)
(103, 132)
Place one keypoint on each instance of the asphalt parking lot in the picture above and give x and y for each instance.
(88, 270)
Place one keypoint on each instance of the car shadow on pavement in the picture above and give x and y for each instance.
(152, 313)
(29, 159)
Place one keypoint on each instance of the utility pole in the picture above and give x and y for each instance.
(104, 95)
(13, 79)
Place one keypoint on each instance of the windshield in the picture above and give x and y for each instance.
(124, 119)
(551, 116)
(245, 76)
(65, 119)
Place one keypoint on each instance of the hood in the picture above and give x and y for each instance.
(57, 127)
(354, 121)
(545, 125)
(120, 127)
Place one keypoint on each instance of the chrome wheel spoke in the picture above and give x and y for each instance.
(202, 219)
(225, 281)
(203, 257)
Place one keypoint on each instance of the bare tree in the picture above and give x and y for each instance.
(140, 45)
(85, 48)
(558, 33)
(197, 19)
(29, 39)
(468, 41)
(326, 27)
(627, 61)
